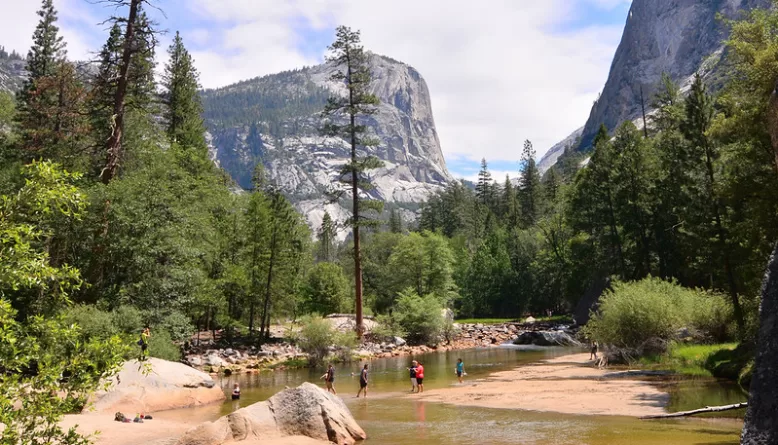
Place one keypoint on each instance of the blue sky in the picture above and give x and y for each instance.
(499, 71)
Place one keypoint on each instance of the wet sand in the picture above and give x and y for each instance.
(568, 385)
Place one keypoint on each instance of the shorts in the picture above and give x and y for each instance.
(144, 346)
(329, 383)
(236, 397)
(459, 373)
(420, 380)
(362, 384)
(414, 382)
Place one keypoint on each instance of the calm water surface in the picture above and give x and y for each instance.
(390, 418)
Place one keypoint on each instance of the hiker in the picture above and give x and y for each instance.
(329, 379)
(143, 342)
(363, 381)
(420, 377)
(412, 370)
(236, 392)
(460, 370)
(593, 351)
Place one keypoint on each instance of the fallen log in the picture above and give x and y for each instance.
(707, 409)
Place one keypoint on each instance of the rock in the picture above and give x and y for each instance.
(305, 411)
(195, 360)
(530, 320)
(229, 352)
(546, 338)
(168, 385)
(399, 341)
(214, 360)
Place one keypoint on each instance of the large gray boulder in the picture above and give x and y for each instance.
(155, 385)
(546, 338)
(761, 423)
(306, 411)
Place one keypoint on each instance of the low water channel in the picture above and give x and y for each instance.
(389, 416)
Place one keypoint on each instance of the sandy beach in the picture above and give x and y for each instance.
(568, 385)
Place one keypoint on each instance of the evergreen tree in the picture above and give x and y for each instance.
(104, 86)
(326, 236)
(529, 186)
(510, 203)
(696, 126)
(354, 71)
(47, 52)
(552, 182)
(395, 221)
(483, 188)
(142, 85)
(184, 109)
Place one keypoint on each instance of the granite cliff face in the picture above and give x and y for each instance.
(680, 37)
(274, 120)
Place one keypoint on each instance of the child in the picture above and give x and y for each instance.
(329, 379)
(414, 383)
(460, 369)
(236, 392)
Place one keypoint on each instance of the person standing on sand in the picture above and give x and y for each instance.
(460, 369)
(363, 381)
(593, 351)
(414, 383)
(420, 376)
(329, 379)
(144, 343)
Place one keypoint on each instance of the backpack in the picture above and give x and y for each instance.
(119, 417)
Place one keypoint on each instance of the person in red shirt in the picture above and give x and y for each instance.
(420, 377)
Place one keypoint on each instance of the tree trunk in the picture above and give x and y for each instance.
(761, 422)
(115, 141)
(707, 409)
(355, 204)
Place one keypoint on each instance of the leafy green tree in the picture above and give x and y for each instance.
(419, 318)
(424, 262)
(354, 71)
(530, 195)
(183, 107)
(327, 289)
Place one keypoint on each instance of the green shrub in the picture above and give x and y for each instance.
(94, 323)
(178, 326)
(315, 338)
(419, 318)
(128, 320)
(327, 290)
(649, 313)
(162, 346)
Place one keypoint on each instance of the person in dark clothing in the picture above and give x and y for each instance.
(329, 379)
(412, 370)
(363, 381)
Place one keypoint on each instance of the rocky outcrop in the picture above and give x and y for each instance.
(12, 74)
(552, 155)
(761, 422)
(274, 120)
(155, 385)
(680, 37)
(546, 338)
(305, 411)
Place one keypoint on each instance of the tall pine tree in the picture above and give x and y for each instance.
(326, 235)
(184, 108)
(354, 72)
(530, 194)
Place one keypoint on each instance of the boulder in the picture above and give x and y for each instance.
(306, 411)
(399, 341)
(214, 360)
(546, 338)
(195, 360)
(155, 385)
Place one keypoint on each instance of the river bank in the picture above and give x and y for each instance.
(568, 385)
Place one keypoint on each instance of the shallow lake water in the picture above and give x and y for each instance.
(389, 416)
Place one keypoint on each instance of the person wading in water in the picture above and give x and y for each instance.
(329, 379)
(363, 382)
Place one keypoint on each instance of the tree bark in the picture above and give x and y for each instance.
(355, 205)
(761, 422)
(115, 141)
(707, 409)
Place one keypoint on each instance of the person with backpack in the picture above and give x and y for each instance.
(143, 342)
(329, 379)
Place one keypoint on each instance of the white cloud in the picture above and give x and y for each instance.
(499, 72)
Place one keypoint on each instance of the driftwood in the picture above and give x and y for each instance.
(707, 409)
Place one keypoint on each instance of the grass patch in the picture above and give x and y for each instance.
(699, 360)
(561, 319)
(485, 320)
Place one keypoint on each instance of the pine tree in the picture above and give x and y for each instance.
(47, 52)
(529, 186)
(354, 71)
(395, 221)
(142, 88)
(551, 185)
(104, 86)
(184, 109)
(510, 204)
(326, 236)
(483, 189)
(696, 126)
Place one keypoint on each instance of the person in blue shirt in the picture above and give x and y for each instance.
(460, 369)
